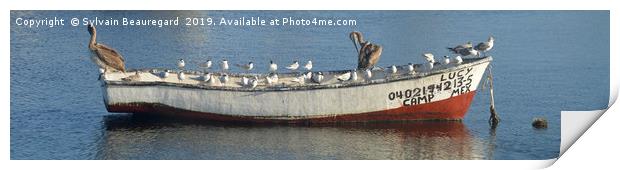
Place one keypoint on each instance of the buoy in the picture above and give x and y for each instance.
(539, 123)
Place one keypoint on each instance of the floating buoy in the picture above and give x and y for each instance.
(539, 123)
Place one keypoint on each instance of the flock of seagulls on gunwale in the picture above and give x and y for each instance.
(109, 59)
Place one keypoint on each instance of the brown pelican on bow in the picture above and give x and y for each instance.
(105, 57)
(368, 53)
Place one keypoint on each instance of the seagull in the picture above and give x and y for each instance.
(431, 60)
(206, 77)
(134, 77)
(273, 67)
(354, 75)
(206, 65)
(104, 56)
(344, 77)
(254, 82)
(410, 68)
(164, 74)
(272, 78)
(247, 67)
(458, 59)
(181, 76)
(293, 66)
(446, 60)
(181, 64)
(485, 46)
(224, 65)
(393, 69)
(245, 81)
(224, 79)
(459, 48)
(308, 75)
(318, 77)
(308, 65)
(300, 79)
(368, 73)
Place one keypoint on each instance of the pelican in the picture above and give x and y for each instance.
(273, 67)
(431, 60)
(354, 75)
(446, 60)
(181, 76)
(344, 77)
(368, 53)
(254, 82)
(272, 78)
(105, 57)
(308, 65)
(458, 59)
(134, 77)
(181, 64)
(368, 73)
(393, 69)
(485, 46)
(245, 81)
(246, 67)
(206, 65)
(224, 79)
(206, 77)
(293, 66)
(318, 77)
(224, 65)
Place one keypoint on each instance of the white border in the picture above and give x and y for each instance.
(595, 149)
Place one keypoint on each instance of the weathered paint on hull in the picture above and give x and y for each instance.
(450, 109)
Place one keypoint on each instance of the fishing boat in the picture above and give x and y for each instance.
(444, 92)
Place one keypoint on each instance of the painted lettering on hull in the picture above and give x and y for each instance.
(456, 83)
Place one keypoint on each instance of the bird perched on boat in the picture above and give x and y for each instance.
(485, 46)
(293, 66)
(318, 77)
(464, 49)
(393, 69)
(300, 79)
(181, 76)
(224, 65)
(104, 56)
(224, 78)
(410, 68)
(344, 77)
(458, 59)
(181, 64)
(368, 53)
(273, 67)
(308, 65)
(206, 65)
(272, 78)
(246, 67)
(308, 75)
(446, 60)
(164, 74)
(206, 77)
(245, 81)
(368, 74)
(134, 77)
(431, 60)
(254, 82)
(354, 75)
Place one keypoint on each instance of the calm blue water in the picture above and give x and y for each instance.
(545, 62)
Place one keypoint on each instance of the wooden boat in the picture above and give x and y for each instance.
(442, 93)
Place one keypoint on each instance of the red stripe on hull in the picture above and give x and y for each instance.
(453, 108)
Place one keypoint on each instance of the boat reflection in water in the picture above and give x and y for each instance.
(132, 137)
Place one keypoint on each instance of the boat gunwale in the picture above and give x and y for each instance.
(475, 62)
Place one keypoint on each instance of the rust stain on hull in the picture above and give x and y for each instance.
(453, 108)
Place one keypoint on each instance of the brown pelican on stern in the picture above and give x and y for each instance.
(105, 57)
(368, 53)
